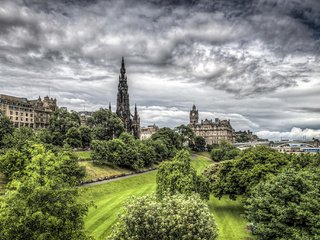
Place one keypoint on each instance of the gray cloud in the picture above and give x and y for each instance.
(254, 59)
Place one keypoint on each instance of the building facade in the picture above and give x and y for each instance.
(212, 131)
(146, 132)
(28, 113)
(131, 122)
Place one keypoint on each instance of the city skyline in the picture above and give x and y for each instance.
(255, 63)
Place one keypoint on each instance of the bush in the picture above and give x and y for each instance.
(172, 218)
(286, 206)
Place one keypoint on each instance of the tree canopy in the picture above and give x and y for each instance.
(42, 203)
(286, 206)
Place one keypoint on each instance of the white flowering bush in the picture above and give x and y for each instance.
(170, 218)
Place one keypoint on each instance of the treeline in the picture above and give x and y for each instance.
(126, 151)
(281, 192)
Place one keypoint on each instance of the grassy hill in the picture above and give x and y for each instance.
(109, 198)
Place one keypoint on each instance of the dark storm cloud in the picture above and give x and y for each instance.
(254, 58)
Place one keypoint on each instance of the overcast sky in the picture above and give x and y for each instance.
(255, 62)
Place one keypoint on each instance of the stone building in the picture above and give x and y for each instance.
(29, 113)
(146, 132)
(245, 136)
(212, 131)
(131, 122)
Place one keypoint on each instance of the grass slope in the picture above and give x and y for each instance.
(96, 171)
(83, 155)
(110, 197)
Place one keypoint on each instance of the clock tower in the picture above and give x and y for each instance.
(194, 116)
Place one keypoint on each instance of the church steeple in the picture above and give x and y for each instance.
(123, 69)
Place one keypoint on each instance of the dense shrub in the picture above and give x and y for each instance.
(171, 218)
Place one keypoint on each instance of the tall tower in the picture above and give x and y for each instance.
(123, 105)
(194, 115)
(136, 123)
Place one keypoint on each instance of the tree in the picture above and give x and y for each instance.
(59, 124)
(239, 176)
(170, 138)
(172, 218)
(286, 206)
(85, 136)
(73, 137)
(42, 204)
(6, 127)
(160, 149)
(106, 125)
(199, 143)
(224, 151)
(186, 135)
(177, 176)
(20, 137)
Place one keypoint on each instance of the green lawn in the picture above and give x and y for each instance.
(110, 197)
(83, 155)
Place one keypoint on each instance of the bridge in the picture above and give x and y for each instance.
(279, 144)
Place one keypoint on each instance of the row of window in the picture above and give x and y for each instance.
(20, 108)
(21, 114)
(21, 119)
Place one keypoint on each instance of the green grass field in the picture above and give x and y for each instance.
(3, 183)
(109, 199)
(83, 155)
(95, 171)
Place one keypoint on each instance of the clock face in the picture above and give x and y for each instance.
(193, 114)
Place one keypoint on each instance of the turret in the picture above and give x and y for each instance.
(194, 115)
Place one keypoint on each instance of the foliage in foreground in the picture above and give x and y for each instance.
(286, 206)
(42, 204)
(172, 218)
(178, 176)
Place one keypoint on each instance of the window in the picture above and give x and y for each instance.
(10, 117)
(26, 114)
(31, 120)
(17, 118)
(21, 114)
(21, 119)
(17, 113)
(26, 119)
(11, 113)
(31, 115)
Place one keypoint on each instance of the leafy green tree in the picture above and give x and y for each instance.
(6, 127)
(177, 176)
(106, 125)
(186, 135)
(170, 138)
(41, 204)
(20, 137)
(173, 217)
(85, 136)
(160, 149)
(286, 206)
(237, 177)
(224, 151)
(14, 162)
(59, 124)
(199, 143)
(73, 138)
